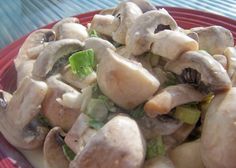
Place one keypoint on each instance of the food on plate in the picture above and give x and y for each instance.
(132, 89)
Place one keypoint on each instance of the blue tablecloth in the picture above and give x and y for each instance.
(19, 17)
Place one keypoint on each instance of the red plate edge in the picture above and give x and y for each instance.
(186, 18)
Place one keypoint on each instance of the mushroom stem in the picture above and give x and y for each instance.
(104, 24)
(180, 43)
(170, 97)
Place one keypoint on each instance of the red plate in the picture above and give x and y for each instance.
(185, 18)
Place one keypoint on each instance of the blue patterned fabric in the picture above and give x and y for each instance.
(19, 17)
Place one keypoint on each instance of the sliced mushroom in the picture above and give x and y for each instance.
(52, 150)
(57, 26)
(35, 39)
(99, 46)
(52, 53)
(125, 15)
(170, 97)
(58, 103)
(104, 24)
(72, 31)
(140, 35)
(24, 70)
(80, 134)
(187, 155)
(122, 135)
(125, 82)
(161, 125)
(199, 66)
(214, 39)
(144, 5)
(178, 137)
(218, 138)
(221, 59)
(230, 53)
(180, 43)
(34, 52)
(159, 162)
(73, 79)
(18, 124)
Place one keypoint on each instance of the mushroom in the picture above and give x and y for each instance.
(221, 59)
(52, 150)
(99, 46)
(170, 97)
(187, 155)
(230, 53)
(218, 138)
(60, 105)
(125, 15)
(74, 80)
(22, 129)
(161, 125)
(57, 26)
(122, 135)
(25, 69)
(52, 52)
(35, 39)
(198, 66)
(180, 43)
(126, 83)
(72, 31)
(80, 134)
(116, 26)
(214, 39)
(144, 5)
(177, 137)
(159, 162)
(140, 35)
(103, 24)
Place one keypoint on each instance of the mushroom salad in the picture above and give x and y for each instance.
(132, 89)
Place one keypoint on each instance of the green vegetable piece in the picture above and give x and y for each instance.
(43, 120)
(153, 59)
(70, 155)
(82, 62)
(93, 33)
(96, 124)
(155, 147)
(97, 110)
(137, 112)
(187, 114)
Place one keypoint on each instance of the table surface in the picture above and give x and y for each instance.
(19, 17)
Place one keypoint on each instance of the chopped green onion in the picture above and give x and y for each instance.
(155, 147)
(95, 124)
(137, 112)
(97, 110)
(187, 114)
(93, 33)
(43, 120)
(70, 155)
(82, 62)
